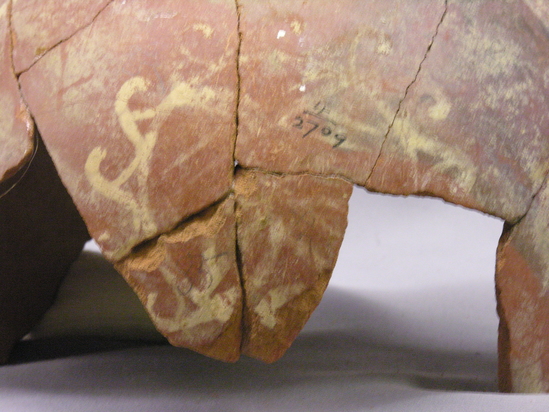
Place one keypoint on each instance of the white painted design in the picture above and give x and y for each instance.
(197, 305)
(136, 201)
(276, 299)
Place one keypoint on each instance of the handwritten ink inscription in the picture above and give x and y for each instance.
(317, 121)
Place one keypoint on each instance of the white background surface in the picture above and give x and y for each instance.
(408, 323)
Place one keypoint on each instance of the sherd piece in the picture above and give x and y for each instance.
(210, 149)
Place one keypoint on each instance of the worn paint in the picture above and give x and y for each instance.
(183, 94)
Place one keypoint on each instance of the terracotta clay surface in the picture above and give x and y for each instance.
(339, 74)
(171, 127)
(16, 126)
(188, 281)
(523, 295)
(473, 127)
(148, 108)
(38, 26)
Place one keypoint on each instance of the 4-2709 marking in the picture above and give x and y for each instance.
(316, 121)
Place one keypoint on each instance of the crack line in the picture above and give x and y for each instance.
(238, 251)
(240, 270)
(542, 187)
(385, 138)
(143, 244)
(319, 175)
(544, 184)
(238, 82)
(85, 26)
(32, 127)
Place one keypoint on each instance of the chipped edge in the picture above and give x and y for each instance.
(148, 241)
